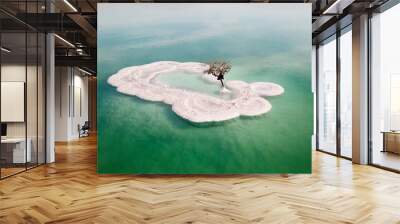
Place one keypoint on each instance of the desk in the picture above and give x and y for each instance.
(15, 148)
(391, 141)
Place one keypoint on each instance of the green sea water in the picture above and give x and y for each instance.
(137, 136)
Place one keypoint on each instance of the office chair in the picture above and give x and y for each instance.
(84, 130)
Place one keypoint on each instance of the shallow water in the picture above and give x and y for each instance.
(137, 136)
(193, 82)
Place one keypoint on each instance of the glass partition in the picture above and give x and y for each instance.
(14, 153)
(22, 77)
(31, 99)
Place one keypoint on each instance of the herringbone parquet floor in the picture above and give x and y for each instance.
(70, 191)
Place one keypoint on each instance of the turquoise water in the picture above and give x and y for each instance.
(191, 81)
(137, 136)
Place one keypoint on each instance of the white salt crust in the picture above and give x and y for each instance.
(141, 81)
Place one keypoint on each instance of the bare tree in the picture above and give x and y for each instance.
(218, 69)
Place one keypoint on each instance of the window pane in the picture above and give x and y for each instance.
(31, 98)
(327, 96)
(386, 89)
(346, 93)
(14, 153)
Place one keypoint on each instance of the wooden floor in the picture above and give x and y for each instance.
(5, 172)
(70, 191)
(387, 159)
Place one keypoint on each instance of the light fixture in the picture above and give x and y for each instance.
(79, 51)
(5, 50)
(64, 40)
(337, 7)
(70, 5)
(84, 71)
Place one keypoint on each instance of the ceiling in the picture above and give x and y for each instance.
(75, 21)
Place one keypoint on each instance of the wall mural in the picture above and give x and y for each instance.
(204, 88)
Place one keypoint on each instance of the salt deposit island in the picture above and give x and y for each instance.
(247, 98)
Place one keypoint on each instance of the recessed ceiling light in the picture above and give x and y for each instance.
(337, 7)
(70, 5)
(64, 40)
(84, 71)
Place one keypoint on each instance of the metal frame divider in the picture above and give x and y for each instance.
(26, 87)
(369, 77)
(316, 97)
(338, 91)
(0, 94)
(37, 91)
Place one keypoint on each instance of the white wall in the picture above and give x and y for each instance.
(62, 82)
(80, 104)
(71, 102)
